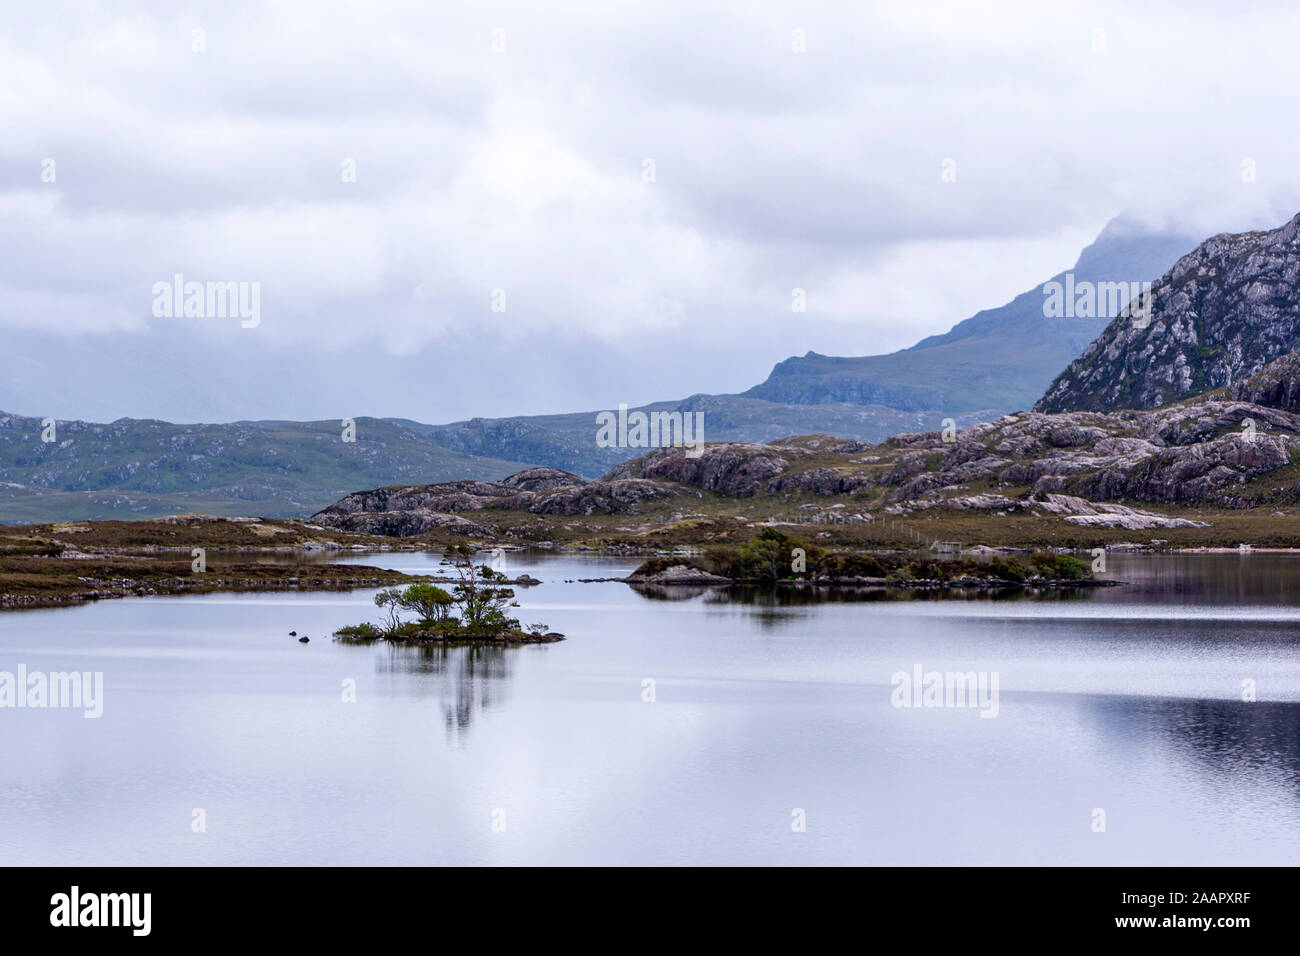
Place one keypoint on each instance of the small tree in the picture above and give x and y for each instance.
(481, 594)
(390, 600)
(428, 601)
(767, 557)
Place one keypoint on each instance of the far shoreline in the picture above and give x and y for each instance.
(72, 563)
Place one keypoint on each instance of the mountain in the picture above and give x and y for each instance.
(1047, 474)
(996, 361)
(136, 469)
(568, 441)
(981, 368)
(1219, 315)
(1000, 358)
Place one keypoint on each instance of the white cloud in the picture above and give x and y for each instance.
(522, 170)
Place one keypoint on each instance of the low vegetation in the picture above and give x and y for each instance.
(773, 557)
(74, 562)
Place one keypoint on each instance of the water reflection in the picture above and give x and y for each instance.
(466, 679)
(675, 592)
(772, 604)
(1229, 579)
(1245, 743)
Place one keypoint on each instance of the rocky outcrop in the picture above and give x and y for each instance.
(450, 496)
(543, 479)
(1082, 512)
(828, 443)
(621, 496)
(1219, 315)
(405, 511)
(729, 469)
(821, 481)
(1276, 385)
(984, 503)
(401, 524)
(679, 574)
(1194, 452)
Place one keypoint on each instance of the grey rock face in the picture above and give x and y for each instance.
(400, 524)
(407, 510)
(602, 497)
(1082, 512)
(728, 469)
(1277, 385)
(1219, 315)
(822, 481)
(542, 479)
(1194, 452)
(449, 496)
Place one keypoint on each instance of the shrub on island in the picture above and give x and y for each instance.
(472, 612)
(773, 557)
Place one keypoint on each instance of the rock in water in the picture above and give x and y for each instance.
(679, 574)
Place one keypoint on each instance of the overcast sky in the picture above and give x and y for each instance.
(523, 169)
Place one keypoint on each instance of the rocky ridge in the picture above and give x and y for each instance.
(1218, 316)
(410, 510)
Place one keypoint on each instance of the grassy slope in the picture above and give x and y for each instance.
(68, 562)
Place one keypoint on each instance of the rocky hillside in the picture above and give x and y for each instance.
(1226, 451)
(409, 510)
(1218, 316)
(1276, 385)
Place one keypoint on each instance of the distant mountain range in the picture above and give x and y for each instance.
(1051, 476)
(1001, 359)
(997, 361)
(138, 469)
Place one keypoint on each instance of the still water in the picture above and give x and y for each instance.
(770, 738)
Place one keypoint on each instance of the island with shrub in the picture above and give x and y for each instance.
(774, 558)
(474, 611)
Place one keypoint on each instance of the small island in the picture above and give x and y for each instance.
(773, 558)
(473, 612)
